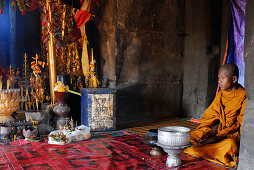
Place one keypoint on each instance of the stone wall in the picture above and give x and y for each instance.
(201, 55)
(142, 47)
(154, 52)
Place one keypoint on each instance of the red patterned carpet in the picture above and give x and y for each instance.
(122, 152)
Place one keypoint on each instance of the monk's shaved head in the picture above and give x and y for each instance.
(232, 69)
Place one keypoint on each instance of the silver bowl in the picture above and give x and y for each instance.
(37, 116)
(174, 136)
(30, 132)
(174, 152)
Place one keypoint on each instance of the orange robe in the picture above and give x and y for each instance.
(227, 108)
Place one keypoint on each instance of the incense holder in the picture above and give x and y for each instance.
(30, 132)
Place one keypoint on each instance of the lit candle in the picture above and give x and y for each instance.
(22, 99)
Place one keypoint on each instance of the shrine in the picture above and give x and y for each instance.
(145, 84)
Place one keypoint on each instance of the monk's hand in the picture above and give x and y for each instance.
(214, 139)
(213, 132)
(202, 140)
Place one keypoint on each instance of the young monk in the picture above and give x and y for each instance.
(217, 137)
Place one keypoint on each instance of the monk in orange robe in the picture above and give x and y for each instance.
(217, 137)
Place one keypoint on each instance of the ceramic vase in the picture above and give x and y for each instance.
(61, 109)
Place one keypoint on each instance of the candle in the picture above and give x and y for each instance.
(92, 55)
(26, 106)
(8, 84)
(1, 83)
(27, 100)
(22, 99)
(37, 105)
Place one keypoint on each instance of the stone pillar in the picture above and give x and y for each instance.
(246, 158)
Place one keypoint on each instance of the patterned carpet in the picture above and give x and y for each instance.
(111, 153)
(121, 149)
(111, 133)
(142, 127)
(142, 130)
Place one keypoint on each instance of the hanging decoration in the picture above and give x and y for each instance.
(82, 16)
(22, 6)
(13, 4)
(63, 38)
(2, 6)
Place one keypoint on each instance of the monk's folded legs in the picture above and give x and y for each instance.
(221, 152)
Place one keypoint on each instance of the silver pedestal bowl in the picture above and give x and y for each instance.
(174, 152)
(173, 140)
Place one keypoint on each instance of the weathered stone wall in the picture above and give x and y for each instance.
(246, 158)
(201, 55)
(155, 52)
(142, 48)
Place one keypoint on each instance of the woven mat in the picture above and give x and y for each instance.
(142, 130)
(111, 133)
(123, 152)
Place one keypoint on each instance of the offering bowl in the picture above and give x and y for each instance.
(173, 140)
(30, 132)
(150, 139)
(174, 136)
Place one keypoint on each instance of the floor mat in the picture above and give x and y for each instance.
(123, 152)
(141, 130)
(111, 133)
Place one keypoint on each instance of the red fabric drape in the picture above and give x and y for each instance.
(87, 9)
